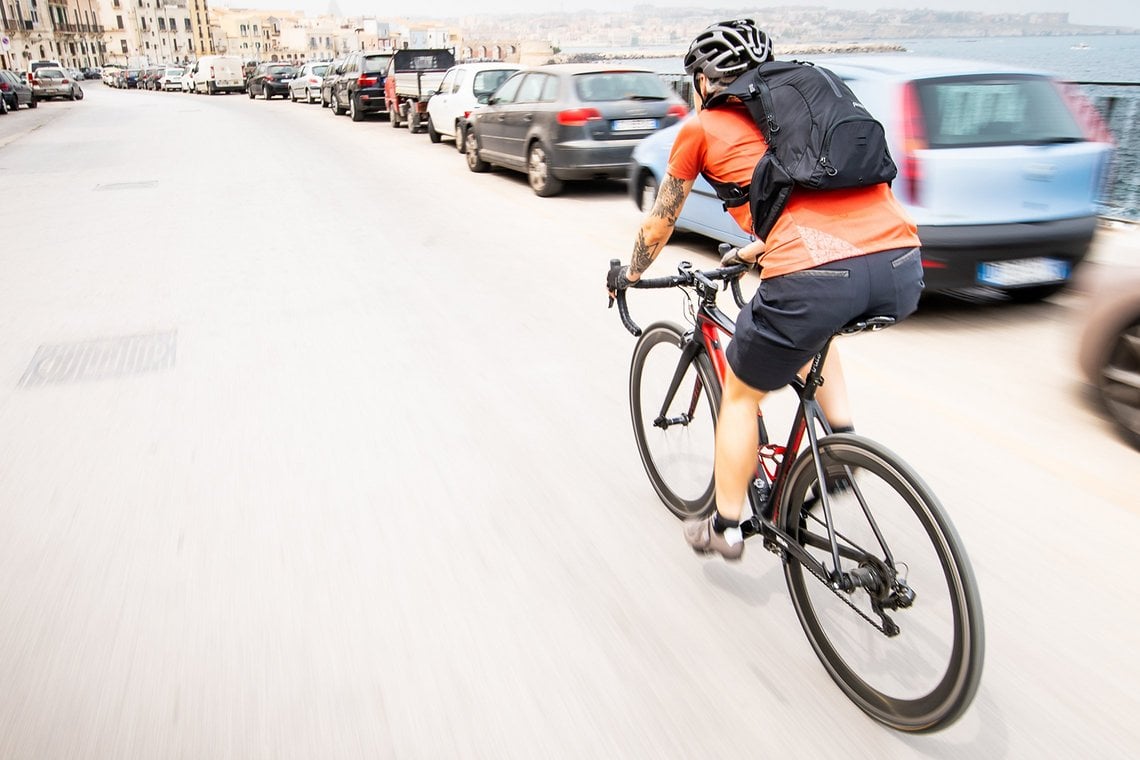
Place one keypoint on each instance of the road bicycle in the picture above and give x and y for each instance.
(877, 574)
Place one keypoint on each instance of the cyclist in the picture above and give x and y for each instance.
(832, 257)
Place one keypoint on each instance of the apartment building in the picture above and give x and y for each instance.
(147, 32)
(68, 31)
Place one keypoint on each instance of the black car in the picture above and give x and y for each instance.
(570, 122)
(359, 89)
(332, 73)
(15, 90)
(270, 80)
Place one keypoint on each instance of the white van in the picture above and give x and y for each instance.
(216, 73)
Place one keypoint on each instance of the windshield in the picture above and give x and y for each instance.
(620, 85)
(995, 110)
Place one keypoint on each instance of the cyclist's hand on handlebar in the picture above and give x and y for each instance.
(618, 278)
(730, 255)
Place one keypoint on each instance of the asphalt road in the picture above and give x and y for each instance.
(315, 444)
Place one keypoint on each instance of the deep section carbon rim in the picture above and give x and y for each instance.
(923, 678)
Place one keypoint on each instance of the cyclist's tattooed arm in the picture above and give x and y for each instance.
(658, 225)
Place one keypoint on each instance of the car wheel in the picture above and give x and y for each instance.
(538, 172)
(33, 103)
(324, 103)
(460, 138)
(251, 95)
(648, 192)
(334, 105)
(432, 134)
(3, 105)
(309, 97)
(1117, 382)
(474, 163)
(292, 95)
(354, 111)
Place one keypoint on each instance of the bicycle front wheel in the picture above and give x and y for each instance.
(907, 643)
(674, 397)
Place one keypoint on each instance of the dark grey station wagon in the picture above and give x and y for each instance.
(570, 122)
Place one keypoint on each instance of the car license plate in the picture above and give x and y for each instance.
(634, 125)
(1004, 274)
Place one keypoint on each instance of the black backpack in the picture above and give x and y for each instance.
(819, 136)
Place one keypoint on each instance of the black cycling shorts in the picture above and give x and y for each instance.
(792, 316)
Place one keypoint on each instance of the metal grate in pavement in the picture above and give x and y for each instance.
(101, 359)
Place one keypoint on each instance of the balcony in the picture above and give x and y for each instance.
(18, 26)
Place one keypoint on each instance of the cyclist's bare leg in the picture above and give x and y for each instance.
(736, 441)
(832, 395)
(737, 436)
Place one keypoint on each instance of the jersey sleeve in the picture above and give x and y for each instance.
(688, 155)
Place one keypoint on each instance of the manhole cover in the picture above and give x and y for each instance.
(129, 185)
(100, 359)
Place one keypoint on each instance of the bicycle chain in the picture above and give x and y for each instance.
(779, 552)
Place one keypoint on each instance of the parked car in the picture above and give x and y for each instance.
(51, 83)
(42, 63)
(306, 84)
(1000, 167)
(171, 79)
(108, 75)
(359, 89)
(569, 122)
(332, 73)
(148, 77)
(213, 74)
(1109, 352)
(91, 73)
(128, 79)
(15, 90)
(270, 80)
(75, 73)
(412, 77)
(464, 88)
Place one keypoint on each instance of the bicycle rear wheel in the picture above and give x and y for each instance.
(675, 431)
(923, 676)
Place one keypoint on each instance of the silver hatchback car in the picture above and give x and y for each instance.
(1000, 167)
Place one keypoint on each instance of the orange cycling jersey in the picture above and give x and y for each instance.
(817, 226)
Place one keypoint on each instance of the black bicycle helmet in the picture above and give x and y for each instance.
(728, 49)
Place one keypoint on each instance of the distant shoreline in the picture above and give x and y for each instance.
(831, 48)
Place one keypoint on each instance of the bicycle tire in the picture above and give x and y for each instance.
(677, 458)
(945, 619)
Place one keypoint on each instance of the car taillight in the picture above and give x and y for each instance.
(314, 80)
(1089, 119)
(365, 81)
(64, 82)
(577, 117)
(677, 110)
(3, 87)
(914, 140)
(36, 81)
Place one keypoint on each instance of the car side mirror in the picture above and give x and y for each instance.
(491, 101)
(431, 93)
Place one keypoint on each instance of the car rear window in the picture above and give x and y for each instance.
(620, 85)
(278, 69)
(49, 74)
(320, 70)
(374, 63)
(995, 110)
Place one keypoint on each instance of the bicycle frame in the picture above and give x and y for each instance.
(773, 465)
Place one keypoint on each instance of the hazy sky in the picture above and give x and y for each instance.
(1102, 12)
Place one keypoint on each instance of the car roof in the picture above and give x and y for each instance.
(587, 68)
(904, 67)
(480, 65)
